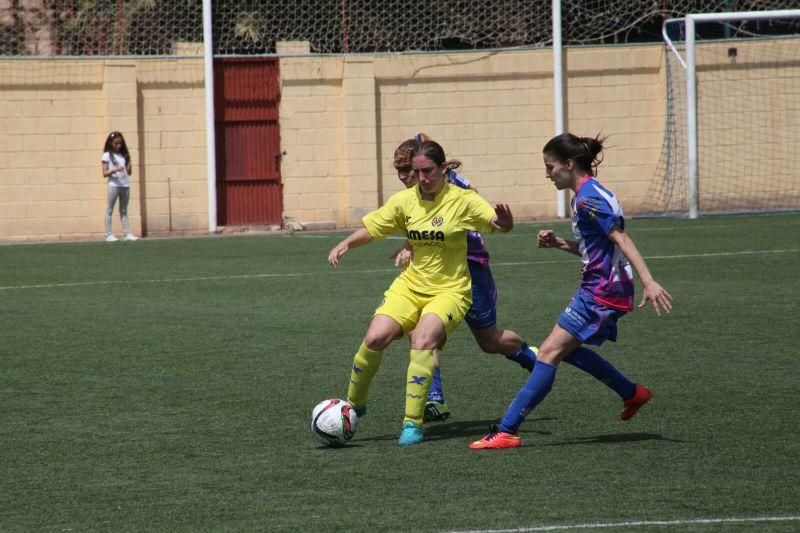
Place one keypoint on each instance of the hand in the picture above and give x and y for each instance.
(503, 217)
(656, 294)
(546, 239)
(402, 257)
(336, 253)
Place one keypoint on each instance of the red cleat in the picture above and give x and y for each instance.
(633, 404)
(497, 440)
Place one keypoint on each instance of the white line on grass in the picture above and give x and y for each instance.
(721, 254)
(168, 280)
(678, 256)
(523, 234)
(372, 271)
(606, 525)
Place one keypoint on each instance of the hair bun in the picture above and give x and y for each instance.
(594, 145)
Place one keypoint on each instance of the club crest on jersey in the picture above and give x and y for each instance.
(437, 221)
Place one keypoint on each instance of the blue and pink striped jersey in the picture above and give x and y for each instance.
(607, 276)
(476, 250)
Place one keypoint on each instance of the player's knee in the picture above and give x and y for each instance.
(424, 340)
(425, 343)
(377, 340)
(549, 354)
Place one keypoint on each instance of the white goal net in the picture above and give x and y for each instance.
(747, 116)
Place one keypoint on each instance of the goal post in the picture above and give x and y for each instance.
(774, 105)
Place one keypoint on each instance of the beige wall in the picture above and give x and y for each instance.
(55, 117)
(748, 113)
(173, 146)
(342, 117)
(53, 120)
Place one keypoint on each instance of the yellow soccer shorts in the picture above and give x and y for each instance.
(406, 307)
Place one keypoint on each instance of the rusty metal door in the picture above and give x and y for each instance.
(246, 99)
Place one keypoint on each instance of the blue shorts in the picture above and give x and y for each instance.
(589, 321)
(483, 313)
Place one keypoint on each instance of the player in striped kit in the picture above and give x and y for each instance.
(605, 294)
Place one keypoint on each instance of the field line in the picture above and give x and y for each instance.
(606, 525)
(676, 256)
(372, 271)
(166, 280)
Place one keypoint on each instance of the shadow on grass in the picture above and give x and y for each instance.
(614, 438)
(458, 430)
(471, 428)
(347, 446)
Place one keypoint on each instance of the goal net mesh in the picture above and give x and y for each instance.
(748, 119)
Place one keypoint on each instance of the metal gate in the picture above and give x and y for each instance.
(246, 99)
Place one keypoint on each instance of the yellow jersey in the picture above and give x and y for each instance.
(437, 231)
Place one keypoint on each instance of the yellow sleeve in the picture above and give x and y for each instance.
(479, 213)
(386, 220)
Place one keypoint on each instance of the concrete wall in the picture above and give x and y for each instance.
(55, 117)
(748, 112)
(172, 140)
(341, 118)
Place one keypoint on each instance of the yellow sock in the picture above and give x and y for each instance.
(365, 365)
(418, 383)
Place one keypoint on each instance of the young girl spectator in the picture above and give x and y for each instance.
(116, 164)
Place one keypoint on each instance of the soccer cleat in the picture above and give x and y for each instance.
(131, 237)
(632, 405)
(411, 434)
(111, 238)
(497, 439)
(436, 412)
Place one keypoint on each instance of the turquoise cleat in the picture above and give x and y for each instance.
(411, 434)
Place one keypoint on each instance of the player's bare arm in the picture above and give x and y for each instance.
(358, 238)
(652, 291)
(547, 239)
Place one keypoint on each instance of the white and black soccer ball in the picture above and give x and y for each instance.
(334, 422)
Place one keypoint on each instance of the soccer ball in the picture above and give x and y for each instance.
(334, 422)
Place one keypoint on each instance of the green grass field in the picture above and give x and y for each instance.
(168, 385)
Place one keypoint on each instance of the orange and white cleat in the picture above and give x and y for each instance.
(497, 439)
(633, 404)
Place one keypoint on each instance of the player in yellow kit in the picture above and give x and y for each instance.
(431, 296)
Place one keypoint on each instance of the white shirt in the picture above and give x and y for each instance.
(121, 177)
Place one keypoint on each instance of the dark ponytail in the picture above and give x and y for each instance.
(585, 152)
